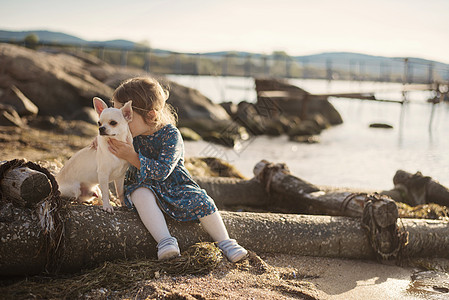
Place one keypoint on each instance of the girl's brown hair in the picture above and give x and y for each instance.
(147, 94)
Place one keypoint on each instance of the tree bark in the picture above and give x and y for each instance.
(93, 236)
(289, 194)
(24, 186)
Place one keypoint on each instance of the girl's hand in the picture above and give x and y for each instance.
(125, 151)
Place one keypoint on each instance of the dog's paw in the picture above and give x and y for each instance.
(107, 208)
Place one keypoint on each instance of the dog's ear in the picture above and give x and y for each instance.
(127, 111)
(99, 105)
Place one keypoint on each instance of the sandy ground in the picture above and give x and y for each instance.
(280, 276)
(272, 276)
(352, 279)
(297, 277)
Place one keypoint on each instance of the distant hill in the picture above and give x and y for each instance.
(355, 62)
(44, 36)
(337, 61)
(114, 43)
(359, 63)
(61, 38)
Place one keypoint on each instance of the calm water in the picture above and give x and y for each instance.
(351, 154)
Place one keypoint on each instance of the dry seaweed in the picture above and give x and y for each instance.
(114, 277)
(430, 264)
(424, 211)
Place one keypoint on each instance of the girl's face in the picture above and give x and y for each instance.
(138, 126)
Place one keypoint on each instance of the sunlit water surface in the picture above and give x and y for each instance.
(351, 154)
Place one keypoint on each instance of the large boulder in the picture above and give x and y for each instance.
(282, 108)
(57, 83)
(64, 83)
(61, 83)
(208, 119)
(195, 111)
(190, 104)
(283, 98)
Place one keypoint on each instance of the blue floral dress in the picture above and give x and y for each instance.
(162, 171)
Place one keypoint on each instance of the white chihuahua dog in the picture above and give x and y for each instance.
(89, 167)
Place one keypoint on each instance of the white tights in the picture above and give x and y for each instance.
(153, 218)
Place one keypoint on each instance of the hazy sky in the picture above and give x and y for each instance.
(418, 28)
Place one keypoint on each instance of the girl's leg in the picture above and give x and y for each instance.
(213, 224)
(150, 213)
(153, 219)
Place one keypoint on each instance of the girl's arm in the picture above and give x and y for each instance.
(163, 166)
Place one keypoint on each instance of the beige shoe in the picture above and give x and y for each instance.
(233, 251)
(167, 248)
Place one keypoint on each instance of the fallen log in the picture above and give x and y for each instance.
(297, 195)
(300, 197)
(231, 192)
(27, 187)
(303, 197)
(23, 186)
(379, 213)
(289, 194)
(416, 189)
(92, 236)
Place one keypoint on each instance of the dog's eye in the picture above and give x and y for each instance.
(99, 123)
(113, 123)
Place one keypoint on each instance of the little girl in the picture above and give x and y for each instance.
(157, 181)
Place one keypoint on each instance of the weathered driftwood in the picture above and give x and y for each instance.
(295, 195)
(379, 213)
(289, 194)
(300, 197)
(93, 236)
(24, 186)
(416, 189)
(231, 192)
